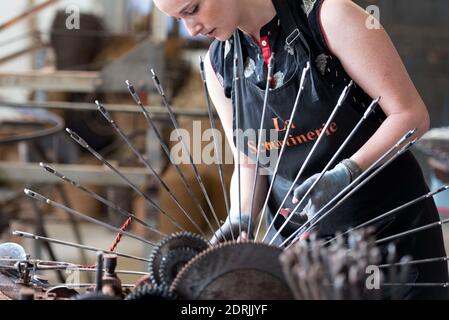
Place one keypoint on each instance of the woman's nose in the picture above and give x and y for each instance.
(193, 27)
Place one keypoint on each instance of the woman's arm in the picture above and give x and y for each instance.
(223, 106)
(371, 60)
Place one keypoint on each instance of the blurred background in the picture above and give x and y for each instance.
(58, 57)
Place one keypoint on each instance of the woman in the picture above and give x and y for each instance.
(337, 42)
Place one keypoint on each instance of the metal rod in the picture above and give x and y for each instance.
(429, 284)
(99, 272)
(340, 101)
(34, 265)
(74, 245)
(259, 140)
(75, 225)
(158, 111)
(389, 213)
(412, 231)
(186, 148)
(40, 227)
(96, 196)
(164, 146)
(37, 196)
(80, 269)
(430, 260)
(216, 146)
(368, 172)
(238, 93)
(38, 268)
(109, 118)
(365, 116)
(278, 161)
(130, 272)
(35, 261)
(84, 144)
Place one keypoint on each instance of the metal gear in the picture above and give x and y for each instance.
(61, 292)
(234, 270)
(165, 246)
(173, 263)
(151, 292)
(95, 296)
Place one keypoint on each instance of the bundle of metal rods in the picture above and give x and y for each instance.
(347, 269)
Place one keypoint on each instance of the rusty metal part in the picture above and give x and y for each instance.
(346, 269)
(176, 241)
(61, 292)
(173, 263)
(26, 294)
(148, 292)
(9, 288)
(234, 270)
(111, 284)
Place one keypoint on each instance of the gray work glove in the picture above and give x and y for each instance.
(330, 184)
(232, 223)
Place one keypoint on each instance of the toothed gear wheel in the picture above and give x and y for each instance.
(175, 241)
(234, 270)
(173, 263)
(151, 292)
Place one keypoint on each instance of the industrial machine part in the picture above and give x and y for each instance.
(25, 124)
(349, 268)
(234, 270)
(111, 284)
(180, 240)
(148, 292)
(173, 262)
(249, 270)
(12, 251)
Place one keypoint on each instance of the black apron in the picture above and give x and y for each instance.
(397, 184)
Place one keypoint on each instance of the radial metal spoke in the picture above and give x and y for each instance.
(74, 245)
(34, 195)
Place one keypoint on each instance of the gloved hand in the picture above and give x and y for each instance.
(232, 223)
(330, 184)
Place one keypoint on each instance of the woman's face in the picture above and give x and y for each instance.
(212, 18)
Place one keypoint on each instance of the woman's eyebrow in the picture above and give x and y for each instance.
(181, 12)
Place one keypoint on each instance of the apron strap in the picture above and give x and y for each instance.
(285, 9)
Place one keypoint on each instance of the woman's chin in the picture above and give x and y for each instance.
(223, 37)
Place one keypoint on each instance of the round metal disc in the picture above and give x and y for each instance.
(12, 250)
(172, 242)
(233, 271)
